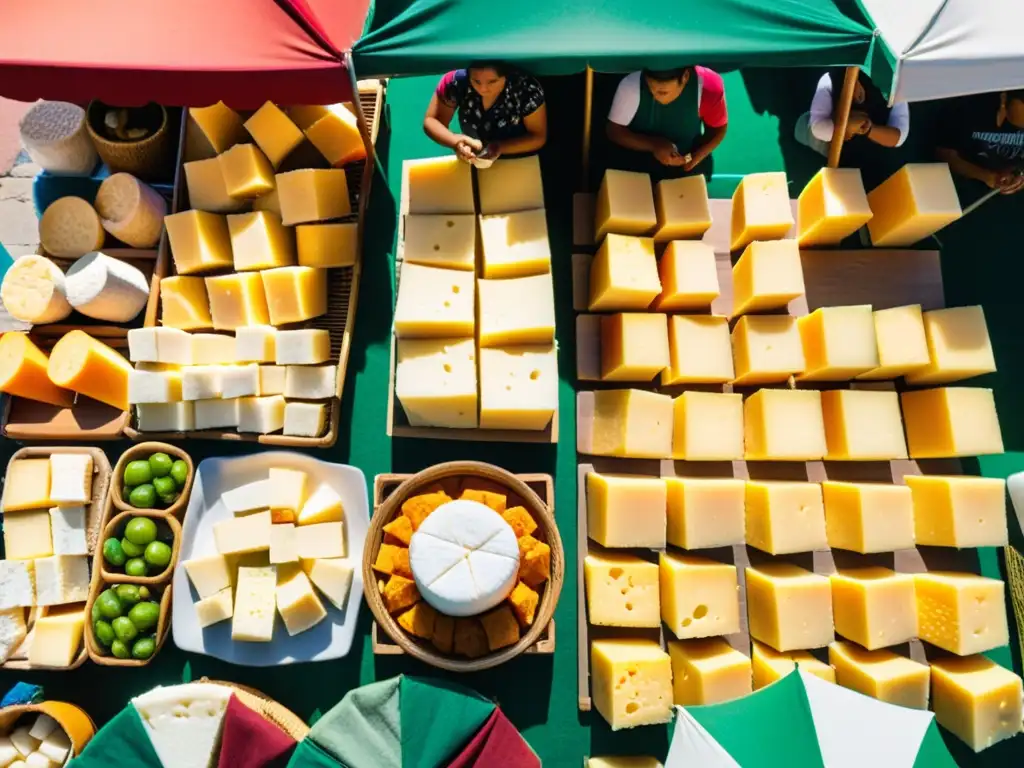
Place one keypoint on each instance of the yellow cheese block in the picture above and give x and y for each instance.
(959, 511)
(622, 590)
(213, 349)
(901, 342)
(769, 666)
(209, 575)
(788, 607)
(632, 423)
(438, 185)
(862, 425)
(951, 421)
(625, 205)
(874, 606)
(689, 276)
(23, 371)
(708, 671)
(839, 343)
(238, 300)
(766, 349)
(312, 194)
(70, 228)
(200, 241)
(298, 604)
(294, 294)
(255, 605)
(785, 517)
(977, 700)
(259, 241)
(699, 597)
(215, 608)
(436, 382)
(699, 350)
(880, 674)
(336, 134)
(328, 245)
(57, 637)
(705, 512)
(760, 209)
(832, 207)
(273, 132)
(707, 426)
(184, 303)
(682, 206)
(958, 346)
(768, 275)
(447, 241)
(784, 425)
(868, 517)
(519, 310)
(89, 367)
(436, 303)
(206, 188)
(27, 535)
(961, 612)
(515, 244)
(304, 115)
(518, 387)
(247, 171)
(915, 202)
(219, 125)
(510, 185)
(624, 274)
(268, 202)
(645, 698)
(626, 510)
(634, 346)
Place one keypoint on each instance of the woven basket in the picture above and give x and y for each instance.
(144, 451)
(267, 708)
(92, 645)
(111, 529)
(148, 159)
(74, 721)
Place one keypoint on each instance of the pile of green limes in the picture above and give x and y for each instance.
(124, 620)
(139, 551)
(154, 482)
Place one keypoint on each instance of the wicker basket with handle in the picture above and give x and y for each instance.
(148, 159)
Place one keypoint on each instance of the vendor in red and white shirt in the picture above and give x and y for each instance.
(671, 119)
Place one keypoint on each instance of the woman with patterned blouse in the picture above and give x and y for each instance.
(501, 112)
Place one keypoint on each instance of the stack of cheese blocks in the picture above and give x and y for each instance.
(42, 743)
(475, 342)
(258, 380)
(46, 570)
(285, 538)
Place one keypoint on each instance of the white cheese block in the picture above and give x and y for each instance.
(70, 478)
(131, 211)
(67, 528)
(105, 288)
(239, 535)
(240, 381)
(56, 746)
(305, 419)
(215, 608)
(255, 344)
(248, 497)
(216, 414)
(255, 604)
(70, 228)
(201, 382)
(272, 379)
(323, 506)
(55, 136)
(298, 604)
(304, 347)
(283, 544)
(184, 722)
(145, 386)
(209, 575)
(262, 415)
(212, 349)
(23, 741)
(43, 726)
(332, 576)
(166, 417)
(310, 382)
(62, 579)
(8, 753)
(142, 347)
(320, 540)
(464, 558)
(34, 291)
(38, 760)
(288, 489)
(171, 346)
(12, 633)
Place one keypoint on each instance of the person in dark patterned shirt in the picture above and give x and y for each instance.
(501, 112)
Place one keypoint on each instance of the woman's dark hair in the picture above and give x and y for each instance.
(875, 103)
(665, 75)
(500, 68)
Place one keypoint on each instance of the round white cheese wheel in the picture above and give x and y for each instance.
(131, 211)
(70, 228)
(105, 288)
(464, 558)
(34, 291)
(54, 135)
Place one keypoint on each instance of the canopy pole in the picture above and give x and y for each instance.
(588, 108)
(842, 118)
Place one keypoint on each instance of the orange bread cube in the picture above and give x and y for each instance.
(417, 508)
(470, 638)
(501, 627)
(400, 529)
(535, 562)
(495, 501)
(392, 559)
(444, 633)
(520, 520)
(419, 620)
(524, 603)
(400, 593)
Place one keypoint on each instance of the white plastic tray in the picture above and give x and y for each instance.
(332, 637)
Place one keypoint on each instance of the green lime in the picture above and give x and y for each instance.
(119, 649)
(104, 632)
(96, 611)
(113, 553)
(109, 604)
(144, 615)
(126, 491)
(128, 594)
(144, 592)
(164, 486)
(166, 499)
(158, 554)
(140, 530)
(142, 496)
(137, 473)
(179, 472)
(132, 550)
(160, 464)
(144, 648)
(124, 629)
(136, 567)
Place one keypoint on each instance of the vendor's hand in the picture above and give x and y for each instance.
(692, 161)
(667, 154)
(1013, 185)
(466, 147)
(1000, 179)
(858, 124)
(492, 151)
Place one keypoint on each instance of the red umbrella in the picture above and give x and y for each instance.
(179, 52)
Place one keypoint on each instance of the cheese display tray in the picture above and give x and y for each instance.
(330, 639)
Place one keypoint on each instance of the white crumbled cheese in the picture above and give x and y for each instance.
(255, 344)
(310, 382)
(70, 478)
(201, 382)
(240, 380)
(305, 419)
(216, 414)
(12, 633)
(67, 529)
(165, 417)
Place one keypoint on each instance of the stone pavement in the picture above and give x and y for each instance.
(19, 232)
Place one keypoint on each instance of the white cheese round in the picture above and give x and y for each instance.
(131, 211)
(108, 289)
(34, 291)
(54, 135)
(70, 228)
(464, 558)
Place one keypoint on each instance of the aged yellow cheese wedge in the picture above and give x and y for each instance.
(868, 517)
(766, 349)
(769, 666)
(27, 485)
(707, 426)
(951, 421)
(237, 300)
(328, 245)
(708, 671)
(958, 511)
(313, 194)
(862, 425)
(839, 343)
(634, 346)
(760, 209)
(273, 132)
(705, 512)
(874, 606)
(23, 371)
(689, 276)
(436, 382)
(625, 204)
(624, 274)
(57, 637)
(626, 510)
(510, 184)
(645, 698)
(184, 303)
(622, 590)
(788, 607)
(260, 241)
(336, 134)
(206, 188)
(518, 387)
(915, 202)
(832, 207)
(81, 363)
(682, 207)
(901, 342)
(977, 700)
(247, 171)
(881, 674)
(219, 124)
(632, 423)
(699, 350)
(958, 346)
(435, 303)
(519, 310)
(768, 275)
(785, 517)
(960, 612)
(699, 597)
(294, 294)
(200, 241)
(784, 425)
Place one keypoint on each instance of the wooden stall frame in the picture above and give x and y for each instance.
(835, 148)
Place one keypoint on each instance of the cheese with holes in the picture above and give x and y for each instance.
(705, 512)
(958, 346)
(961, 612)
(200, 241)
(435, 240)
(240, 299)
(303, 347)
(62, 579)
(784, 425)
(868, 517)
(951, 421)
(256, 344)
(216, 414)
(165, 417)
(247, 171)
(769, 666)
(219, 124)
(880, 674)
(214, 609)
(788, 607)
(688, 274)
(303, 419)
(300, 608)
(17, 579)
(242, 381)
(624, 274)
(707, 426)
(34, 291)
(255, 603)
(294, 294)
(27, 534)
(313, 194)
(55, 135)
(766, 349)
(699, 597)
(958, 511)
(206, 188)
(260, 241)
(436, 382)
(154, 386)
(332, 576)
(760, 209)
(130, 210)
(435, 303)
(240, 535)
(209, 575)
(439, 185)
(634, 346)
(336, 134)
(23, 371)
(311, 382)
(874, 606)
(977, 700)
(273, 132)
(69, 228)
(212, 349)
(645, 698)
(785, 517)
(682, 206)
(27, 485)
(625, 204)
(862, 425)
(81, 363)
(839, 343)
(901, 342)
(67, 529)
(518, 387)
(105, 288)
(832, 207)
(622, 590)
(699, 350)
(626, 510)
(708, 672)
(514, 244)
(519, 310)
(510, 184)
(768, 275)
(328, 245)
(631, 423)
(912, 204)
(184, 303)
(58, 637)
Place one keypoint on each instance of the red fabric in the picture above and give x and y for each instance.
(712, 108)
(496, 743)
(179, 52)
(249, 741)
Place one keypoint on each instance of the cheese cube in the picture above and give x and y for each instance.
(259, 241)
(247, 171)
(436, 382)
(977, 700)
(239, 535)
(874, 606)
(215, 608)
(768, 275)
(881, 674)
(520, 310)
(273, 132)
(320, 540)
(509, 185)
(622, 590)
(262, 415)
(247, 498)
(283, 544)
(707, 426)
(708, 672)
(862, 425)
(17, 582)
(323, 506)
(868, 517)
(699, 597)
(634, 346)
(958, 346)
(784, 425)
(682, 206)
(688, 274)
(518, 387)
(184, 303)
(58, 637)
(624, 274)
(212, 349)
(255, 344)
(839, 343)
(27, 485)
(23, 371)
(915, 202)
(255, 603)
(645, 698)
(951, 421)
(154, 386)
(303, 347)
(632, 423)
(240, 299)
(313, 194)
(435, 303)
(832, 207)
(705, 512)
(760, 209)
(201, 382)
(209, 575)
(23, 742)
(959, 511)
(626, 510)
(766, 349)
(901, 342)
(216, 414)
(441, 241)
(311, 382)
(336, 134)
(784, 517)
(219, 125)
(304, 419)
(43, 727)
(294, 294)
(333, 577)
(328, 245)
(788, 607)
(960, 612)
(56, 746)
(62, 579)
(27, 535)
(625, 204)
(438, 185)
(288, 490)
(206, 188)
(165, 417)
(67, 530)
(297, 603)
(272, 379)
(699, 350)
(769, 666)
(161, 345)
(89, 367)
(514, 244)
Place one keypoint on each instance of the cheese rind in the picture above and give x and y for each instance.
(832, 207)
(273, 132)
(683, 209)
(699, 597)
(434, 303)
(81, 363)
(439, 185)
(624, 274)
(959, 511)
(915, 202)
(760, 209)
(23, 371)
(436, 382)
(705, 512)
(622, 590)
(518, 387)
(868, 517)
(294, 294)
(699, 350)
(34, 290)
(958, 346)
(901, 342)
(634, 346)
(240, 299)
(631, 423)
(977, 700)
(707, 426)
(951, 421)
(766, 349)
(881, 674)
(784, 425)
(625, 204)
(688, 274)
(247, 171)
(514, 244)
(789, 608)
(874, 606)
(626, 510)
(313, 194)
(327, 245)
(436, 240)
(199, 241)
(708, 672)
(184, 303)
(839, 343)
(510, 184)
(260, 241)
(785, 517)
(961, 612)
(645, 698)
(768, 275)
(862, 425)
(70, 228)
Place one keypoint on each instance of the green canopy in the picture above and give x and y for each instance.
(561, 37)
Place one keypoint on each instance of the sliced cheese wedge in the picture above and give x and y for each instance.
(184, 722)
